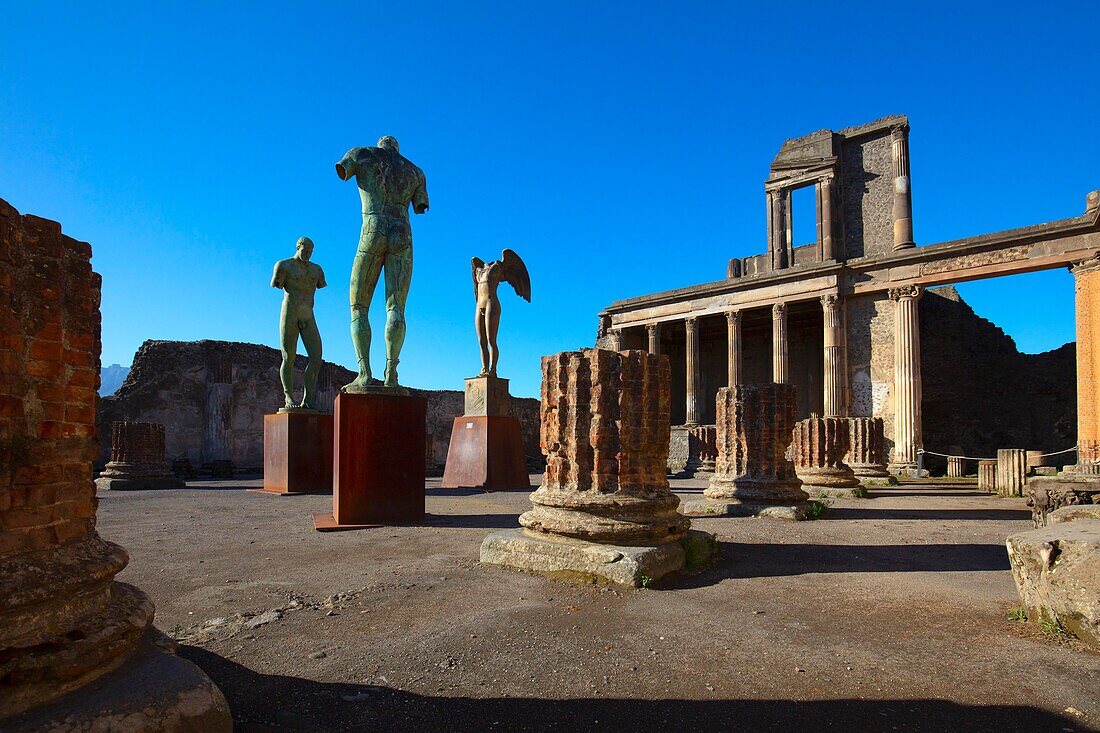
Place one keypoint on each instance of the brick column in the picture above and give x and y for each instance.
(780, 373)
(137, 459)
(734, 358)
(653, 331)
(819, 446)
(605, 430)
(835, 371)
(867, 448)
(1086, 277)
(691, 359)
(902, 212)
(907, 379)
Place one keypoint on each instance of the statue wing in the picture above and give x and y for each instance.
(515, 273)
(476, 264)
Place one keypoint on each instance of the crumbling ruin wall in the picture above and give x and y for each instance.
(870, 324)
(981, 393)
(211, 397)
(867, 189)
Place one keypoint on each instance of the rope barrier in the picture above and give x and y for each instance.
(972, 458)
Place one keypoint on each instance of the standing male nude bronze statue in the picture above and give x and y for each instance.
(487, 276)
(388, 184)
(300, 279)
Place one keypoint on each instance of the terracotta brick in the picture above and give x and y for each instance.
(44, 350)
(38, 474)
(28, 516)
(47, 370)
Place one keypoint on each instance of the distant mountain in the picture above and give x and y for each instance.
(111, 378)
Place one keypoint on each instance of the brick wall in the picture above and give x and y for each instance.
(49, 373)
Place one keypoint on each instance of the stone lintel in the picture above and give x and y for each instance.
(623, 564)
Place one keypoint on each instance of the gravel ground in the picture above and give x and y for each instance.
(890, 613)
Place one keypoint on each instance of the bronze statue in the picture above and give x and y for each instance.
(299, 278)
(388, 184)
(487, 277)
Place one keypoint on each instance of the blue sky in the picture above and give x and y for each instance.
(620, 148)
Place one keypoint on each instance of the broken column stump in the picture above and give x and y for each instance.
(819, 445)
(486, 449)
(1011, 471)
(956, 466)
(137, 459)
(867, 451)
(753, 476)
(987, 475)
(76, 646)
(604, 509)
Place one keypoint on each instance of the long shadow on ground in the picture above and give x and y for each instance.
(945, 514)
(279, 703)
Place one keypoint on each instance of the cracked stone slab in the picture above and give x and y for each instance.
(626, 565)
(716, 508)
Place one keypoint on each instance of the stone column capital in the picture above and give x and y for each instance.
(912, 292)
(826, 180)
(1090, 265)
(733, 318)
(899, 132)
(831, 301)
(691, 323)
(653, 327)
(779, 311)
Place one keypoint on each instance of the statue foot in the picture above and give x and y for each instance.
(289, 403)
(391, 373)
(363, 380)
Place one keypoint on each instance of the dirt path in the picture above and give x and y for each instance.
(890, 614)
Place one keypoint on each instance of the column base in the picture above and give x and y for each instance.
(622, 564)
(153, 691)
(727, 508)
(486, 452)
(138, 483)
(907, 469)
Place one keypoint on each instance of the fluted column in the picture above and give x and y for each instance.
(653, 330)
(780, 373)
(819, 446)
(834, 371)
(825, 218)
(734, 359)
(777, 228)
(614, 339)
(1086, 276)
(903, 203)
(907, 379)
(691, 331)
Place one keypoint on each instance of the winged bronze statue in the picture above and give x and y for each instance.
(487, 276)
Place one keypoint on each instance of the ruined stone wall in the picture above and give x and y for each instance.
(867, 194)
(870, 327)
(212, 395)
(981, 393)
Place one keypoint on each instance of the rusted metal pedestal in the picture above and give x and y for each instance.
(378, 461)
(486, 452)
(297, 453)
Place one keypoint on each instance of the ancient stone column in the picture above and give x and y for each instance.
(956, 466)
(734, 358)
(777, 229)
(64, 619)
(615, 339)
(835, 375)
(1086, 277)
(1011, 471)
(780, 374)
(867, 450)
(137, 459)
(752, 474)
(653, 331)
(605, 431)
(987, 475)
(907, 379)
(704, 448)
(825, 218)
(691, 331)
(819, 446)
(902, 212)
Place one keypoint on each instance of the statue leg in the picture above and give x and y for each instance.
(492, 325)
(398, 279)
(482, 338)
(288, 346)
(311, 337)
(364, 277)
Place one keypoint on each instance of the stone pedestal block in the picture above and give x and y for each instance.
(486, 452)
(1035, 459)
(605, 492)
(956, 466)
(753, 475)
(1011, 471)
(378, 471)
(819, 444)
(1057, 572)
(987, 475)
(487, 396)
(298, 453)
(137, 459)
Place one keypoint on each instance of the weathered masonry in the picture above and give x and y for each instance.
(839, 318)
